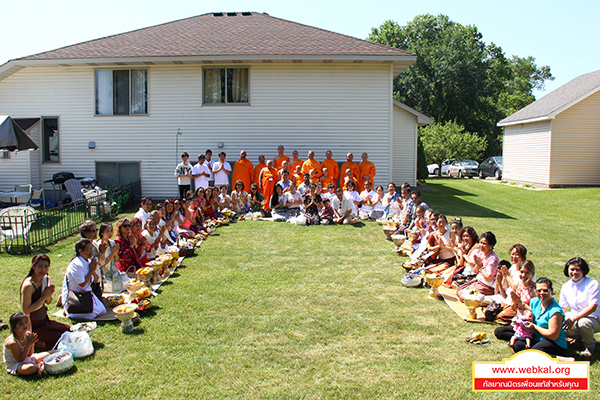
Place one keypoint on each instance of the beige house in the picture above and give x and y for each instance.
(112, 108)
(555, 141)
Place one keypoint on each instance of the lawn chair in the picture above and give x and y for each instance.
(15, 223)
(73, 187)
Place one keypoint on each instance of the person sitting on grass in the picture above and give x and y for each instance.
(239, 198)
(36, 292)
(128, 261)
(579, 298)
(486, 267)
(224, 199)
(293, 201)
(342, 208)
(278, 208)
(327, 213)
(255, 198)
(18, 355)
(312, 205)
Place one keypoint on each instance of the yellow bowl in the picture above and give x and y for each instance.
(124, 312)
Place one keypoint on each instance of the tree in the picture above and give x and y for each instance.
(449, 140)
(457, 76)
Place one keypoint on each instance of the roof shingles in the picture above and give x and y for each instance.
(211, 35)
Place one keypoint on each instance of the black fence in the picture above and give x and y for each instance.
(24, 229)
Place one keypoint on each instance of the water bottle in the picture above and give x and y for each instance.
(117, 283)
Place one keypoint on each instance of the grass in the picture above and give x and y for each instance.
(271, 310)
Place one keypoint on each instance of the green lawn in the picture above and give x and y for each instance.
(271, 310)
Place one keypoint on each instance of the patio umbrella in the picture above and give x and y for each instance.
(12, 137)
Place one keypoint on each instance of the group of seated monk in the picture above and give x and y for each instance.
(467, 261)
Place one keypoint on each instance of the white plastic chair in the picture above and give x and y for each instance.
(73, 187)
(15, 223)
(37, 195)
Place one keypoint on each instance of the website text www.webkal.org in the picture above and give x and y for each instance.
(529, 372)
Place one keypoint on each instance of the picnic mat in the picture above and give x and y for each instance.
(459, 308)
(110, 315)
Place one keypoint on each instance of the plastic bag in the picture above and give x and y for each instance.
(77, 343)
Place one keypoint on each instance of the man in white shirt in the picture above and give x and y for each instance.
(183, 173)
(201, 173)
(221, 170)
(304, 186)
(342, 208)
(209, 163)
(367, 196)
(144, 212)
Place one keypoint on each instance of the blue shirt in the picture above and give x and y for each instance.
(542, 318)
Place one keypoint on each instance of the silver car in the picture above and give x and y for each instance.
(461, 169)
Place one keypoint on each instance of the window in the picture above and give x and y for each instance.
(121, 91)
(50, 143)
(225, 85)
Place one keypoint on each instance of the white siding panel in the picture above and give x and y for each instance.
(526, 153)
(576, 144)
(404, 167)
(342, 107)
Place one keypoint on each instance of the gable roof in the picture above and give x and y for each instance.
(557, 101)
(246, 36)
(422, 119)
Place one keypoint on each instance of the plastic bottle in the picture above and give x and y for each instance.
(117, 283)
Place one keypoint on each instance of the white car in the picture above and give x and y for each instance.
(434, 169)
(463, 168)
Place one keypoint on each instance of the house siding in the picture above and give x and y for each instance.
(404, 168)
(576, 144)
(526, 153)
(305, 106)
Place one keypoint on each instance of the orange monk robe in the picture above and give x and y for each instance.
(355, 171)
(269, 179)
(298, 179)
(293, 165)
(366, 168)
(344, 184)
(243, 170)
(333, 168)
(280, 161)
(326, 181)
(259, 167)
(312, 164)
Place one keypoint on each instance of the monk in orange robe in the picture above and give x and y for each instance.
(332, 166)
(268, 179)
(367, 171)
(326, 179)
(295, 161)
(259, 167)
(280, 158)
(349, 177)
(311, 163)
(243, 170)
(352, 165)
(298, 176)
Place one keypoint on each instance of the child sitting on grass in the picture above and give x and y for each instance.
(18, 348)
(523, 329)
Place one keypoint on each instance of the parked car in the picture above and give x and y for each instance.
(434, 169)
(491, 166)
(463, 168)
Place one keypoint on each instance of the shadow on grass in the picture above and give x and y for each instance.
(446, 200)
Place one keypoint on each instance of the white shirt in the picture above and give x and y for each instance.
(221, 178)
(209, 164)
(394, 205)
(342, 206)
(180, 171)
(202, 180)
(289, 198)
(354, 196)
(579, 295)
(364, 195)
(142, 215)
(151, 238)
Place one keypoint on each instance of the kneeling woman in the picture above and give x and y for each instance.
(36, 292)
(80, 274)
(486, 267)
(549, 336)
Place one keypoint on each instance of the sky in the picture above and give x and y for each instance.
(563, 35)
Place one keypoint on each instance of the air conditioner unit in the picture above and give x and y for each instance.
(5, 154)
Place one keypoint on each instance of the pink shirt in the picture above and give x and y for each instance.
(490, 266)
